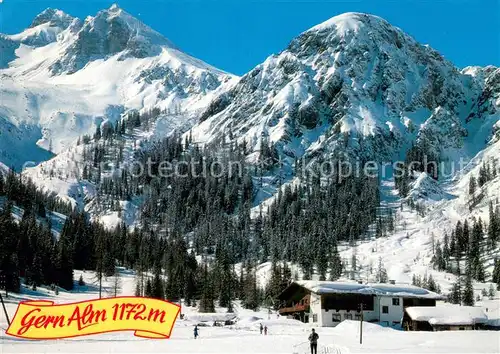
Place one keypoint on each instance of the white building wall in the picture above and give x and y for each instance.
(375, 316)
(328, 316)
(394, 305)
(315, 313)
(325, 318)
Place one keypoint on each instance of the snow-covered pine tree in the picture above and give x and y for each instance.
(381, 272)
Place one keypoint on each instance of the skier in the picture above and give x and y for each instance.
(195, 332)
(261, 328)
(265, 330)
(313, 339)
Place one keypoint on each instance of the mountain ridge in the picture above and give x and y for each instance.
(324, 77)
(62, 78)
(352, 87)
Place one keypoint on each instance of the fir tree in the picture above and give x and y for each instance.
(491, 292)
(496, 273)
(138, 291)
(252, 295)
(455, 296)
(468, 291)
(148, 292)
(494, 226)
(381, 272)
(439, 260)
(472, 185)
(117, 284)
(431, 284)
(335, 265)
(80, 281)
(157, 290)
(64, 262)
(207, 296)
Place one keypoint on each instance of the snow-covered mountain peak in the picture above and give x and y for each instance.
(54, 17)
(110, 32)
(358, 27)
(44, 29)
(355, 84)
(116, 16)
(346, 22)
(64, 76)
(369, 34)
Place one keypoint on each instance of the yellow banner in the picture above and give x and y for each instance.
(149, 318)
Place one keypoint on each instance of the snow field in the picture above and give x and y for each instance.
(284, 335)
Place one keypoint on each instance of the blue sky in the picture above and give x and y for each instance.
(239, 34)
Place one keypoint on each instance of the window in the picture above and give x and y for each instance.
(315, 317)
(395, 301)
(347, 316)
(336, 317)
(385, 309)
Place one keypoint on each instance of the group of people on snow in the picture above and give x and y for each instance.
(313, 337)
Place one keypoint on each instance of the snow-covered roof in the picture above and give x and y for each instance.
(448, 314)
(382, 289)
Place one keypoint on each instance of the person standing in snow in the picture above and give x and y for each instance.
(261, 328)
(195, 331)
(265, 330)
(313, 339)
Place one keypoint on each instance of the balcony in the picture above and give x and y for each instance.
(295, 308)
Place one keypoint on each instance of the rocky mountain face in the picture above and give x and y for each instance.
(353, 86)
(357, 85)
(62, 77)
(52, 17)
(110, 32)
(46, 27)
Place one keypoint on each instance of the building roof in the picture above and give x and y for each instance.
(448, 314)
(399, 290)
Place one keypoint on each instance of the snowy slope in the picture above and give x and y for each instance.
(408, 250)
(284, 335)
(62, 174)
(62, 77)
